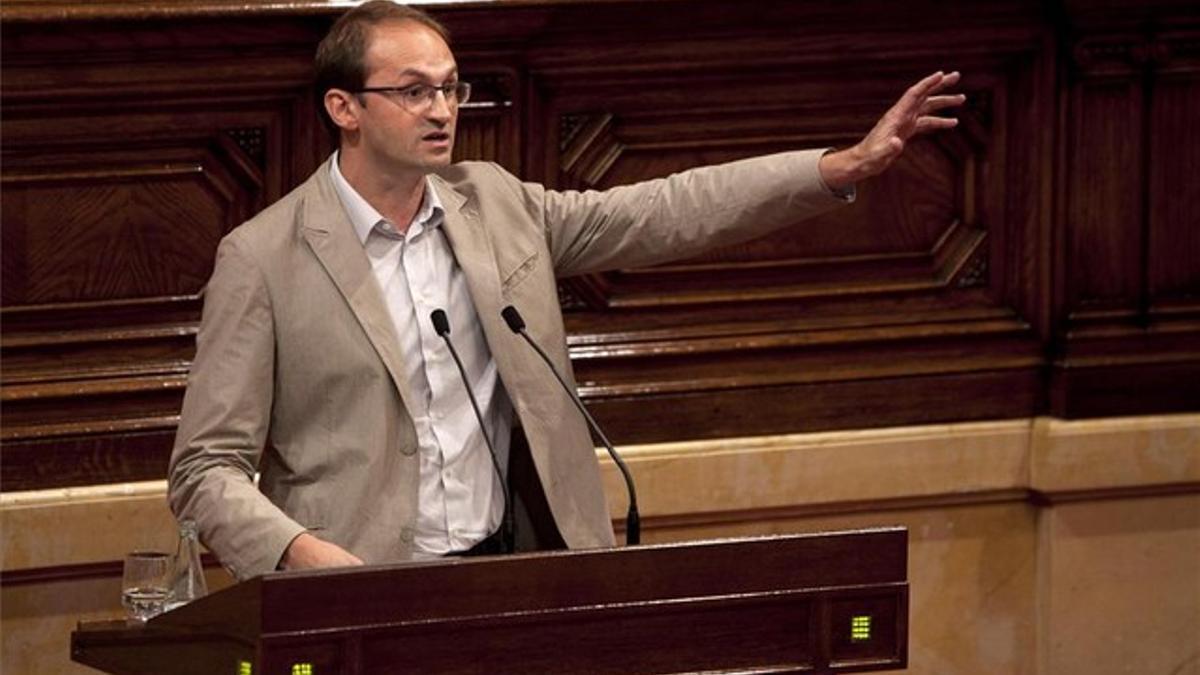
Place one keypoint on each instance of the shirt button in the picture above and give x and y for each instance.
(406, 535)
(408, 449)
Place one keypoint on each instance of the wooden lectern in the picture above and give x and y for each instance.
(819, 603)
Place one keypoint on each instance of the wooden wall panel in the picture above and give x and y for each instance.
(135, 224)
(1128, 340)
(1040, 257)
(801, 329)
(1173, 255)
(906, 230)
(1105, 189)
(130, 149)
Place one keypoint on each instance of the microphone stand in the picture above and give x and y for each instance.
(633, 522)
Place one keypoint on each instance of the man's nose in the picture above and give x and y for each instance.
(439, 107)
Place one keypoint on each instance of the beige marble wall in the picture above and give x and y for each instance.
(55, 528)
(1122, 595)
(1120, 559)
(1036, 546)
(1131, 453)
(84, 525)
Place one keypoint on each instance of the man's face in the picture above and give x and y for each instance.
(396, 139)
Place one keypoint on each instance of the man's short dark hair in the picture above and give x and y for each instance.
(340, 55)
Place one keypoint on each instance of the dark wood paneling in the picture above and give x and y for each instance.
(816, 326)
(1040, 257)
(137, 223)
(1128, 280)
(130, 148)
(1104, 188)
(107, 454)
(1173, 210)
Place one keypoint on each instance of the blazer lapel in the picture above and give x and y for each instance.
(473, 250)
(326, 228)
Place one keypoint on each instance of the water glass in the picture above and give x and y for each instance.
(145, 585)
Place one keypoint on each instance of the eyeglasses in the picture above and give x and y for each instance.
(417, 98)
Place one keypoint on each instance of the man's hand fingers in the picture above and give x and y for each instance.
(947, 80)
(926, 83)
(926, 124)
(921, 98)
(931, 84)
(934, 103)
(917, 93)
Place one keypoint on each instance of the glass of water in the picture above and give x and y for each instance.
(145, 585)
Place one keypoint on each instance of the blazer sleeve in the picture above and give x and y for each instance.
(684, 214)
(224, 422)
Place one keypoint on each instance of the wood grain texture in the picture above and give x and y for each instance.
(1126, 282)
(1041, 257)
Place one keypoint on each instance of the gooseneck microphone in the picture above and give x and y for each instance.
(633, 523)
(441, 325)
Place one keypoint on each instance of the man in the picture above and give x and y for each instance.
(317, 364)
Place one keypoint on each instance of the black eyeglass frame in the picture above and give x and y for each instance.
(455, 93)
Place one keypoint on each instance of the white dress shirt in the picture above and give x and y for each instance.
(460, 500)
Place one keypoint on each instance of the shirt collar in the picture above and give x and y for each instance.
(365, 218)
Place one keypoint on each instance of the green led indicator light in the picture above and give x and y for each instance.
(302, 669)
(245, 668)
(860, 628)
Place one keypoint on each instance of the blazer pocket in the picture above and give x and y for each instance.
(521, 273)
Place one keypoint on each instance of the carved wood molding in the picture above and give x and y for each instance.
(106, 249)
(252, 141)
(592, 147)
(768, 355)
(1110, 55)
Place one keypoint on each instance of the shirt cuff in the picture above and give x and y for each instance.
(846, 194)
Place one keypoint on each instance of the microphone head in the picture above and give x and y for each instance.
(441, 324)
(513, 318)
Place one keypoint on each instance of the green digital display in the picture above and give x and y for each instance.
(245, 668)
(302, 669)
(860, 628)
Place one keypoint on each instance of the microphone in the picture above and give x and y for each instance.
(441, 325)
(633, 523)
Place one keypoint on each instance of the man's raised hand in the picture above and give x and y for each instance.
(913, 114)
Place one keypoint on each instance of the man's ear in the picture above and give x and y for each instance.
(343, 109)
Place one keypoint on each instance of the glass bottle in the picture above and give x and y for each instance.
(188, 578)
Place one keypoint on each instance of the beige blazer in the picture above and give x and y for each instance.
(297, 373)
